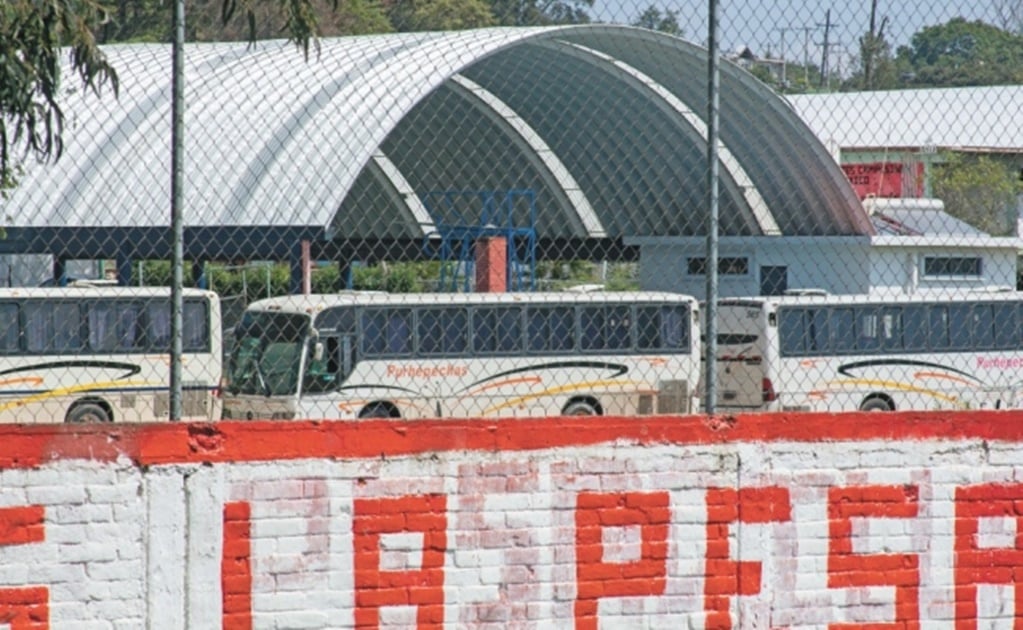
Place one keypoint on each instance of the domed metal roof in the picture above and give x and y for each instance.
(604, 124)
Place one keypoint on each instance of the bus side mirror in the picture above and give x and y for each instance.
(318, 351)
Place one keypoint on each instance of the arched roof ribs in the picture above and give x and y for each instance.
(547, 163)
(401, 192)
(757, 204)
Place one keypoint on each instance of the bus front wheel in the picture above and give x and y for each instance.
(876, 404)
(379, 410)
(87, 413)
(580, 408)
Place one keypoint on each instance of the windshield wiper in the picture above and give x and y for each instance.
(262, 379)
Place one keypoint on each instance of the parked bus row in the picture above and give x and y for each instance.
(363, 355)
(102, 353)
(853, 352)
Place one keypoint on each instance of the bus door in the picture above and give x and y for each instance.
(741, 365)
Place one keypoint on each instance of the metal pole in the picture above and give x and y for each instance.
(711, 267)
(177, 186)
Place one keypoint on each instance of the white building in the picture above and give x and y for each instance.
(914, 246)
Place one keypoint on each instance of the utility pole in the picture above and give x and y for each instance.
(783, 30)
(824, 47)
(806, 52)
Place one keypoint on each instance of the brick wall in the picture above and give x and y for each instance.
(895, 520)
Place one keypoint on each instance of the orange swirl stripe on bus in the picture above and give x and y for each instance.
(63, 391)
(34, 380)
(947, 377)
(899, 387)
(558, 390)
(530, 380)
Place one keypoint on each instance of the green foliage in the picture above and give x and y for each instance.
(978, 190)
(962, 53)
(32, 37)
(436, 15)
(539, 13)
(656, 20)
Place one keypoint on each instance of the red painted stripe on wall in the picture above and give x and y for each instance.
(22, 525)
(236, 566)
(149, 444)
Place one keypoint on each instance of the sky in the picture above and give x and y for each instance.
(764, 25)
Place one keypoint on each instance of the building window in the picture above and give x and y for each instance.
(727, 266)
(952, 267)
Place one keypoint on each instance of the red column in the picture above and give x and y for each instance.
(492, 264)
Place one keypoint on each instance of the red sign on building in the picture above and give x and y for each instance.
(885, 179)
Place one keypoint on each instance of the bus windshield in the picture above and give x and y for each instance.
(267, 352)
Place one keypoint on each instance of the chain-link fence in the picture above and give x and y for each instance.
(498, 209)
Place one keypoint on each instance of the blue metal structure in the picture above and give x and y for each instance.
(463, 217)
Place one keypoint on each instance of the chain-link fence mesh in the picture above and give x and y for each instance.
(502, 219)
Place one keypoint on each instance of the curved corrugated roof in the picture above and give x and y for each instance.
(605, 124)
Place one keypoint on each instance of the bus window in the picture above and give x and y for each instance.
(323, 375)
(1006, 325)
(671, 325)
(818, 338)
(867, 330)
(158, 325)
(914, 328)
(52, 326)
(341, 319)
(443, 331)
(792, 331)
(387, 331)
(606, 327)
(551, 328)
(983, 327)
(891, 328)
(843, 323)
(960, 321)
(195, 328)
(9, 328)
(937, 327)
(804, 331)
(497, 330)
(114, 326)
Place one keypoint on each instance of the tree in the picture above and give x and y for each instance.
(656, 20)
(978, 190)
(877, 68)
(448, 15)
(32, 37)
(435, 15)
(540, 12)
(961, 53)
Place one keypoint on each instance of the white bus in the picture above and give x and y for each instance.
(364, 355)
(94, 353)
(856, 352)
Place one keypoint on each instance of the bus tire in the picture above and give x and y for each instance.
(580, 408)
(379, 410)
(87, 412)
(876, 404)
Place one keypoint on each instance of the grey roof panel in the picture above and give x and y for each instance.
(971, 117)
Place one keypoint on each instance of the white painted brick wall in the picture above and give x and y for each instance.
(129, 546)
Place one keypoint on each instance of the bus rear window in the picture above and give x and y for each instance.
(737, 339)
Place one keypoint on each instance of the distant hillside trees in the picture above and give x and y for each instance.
(957, 53)
(961, 53)
(665, 21)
